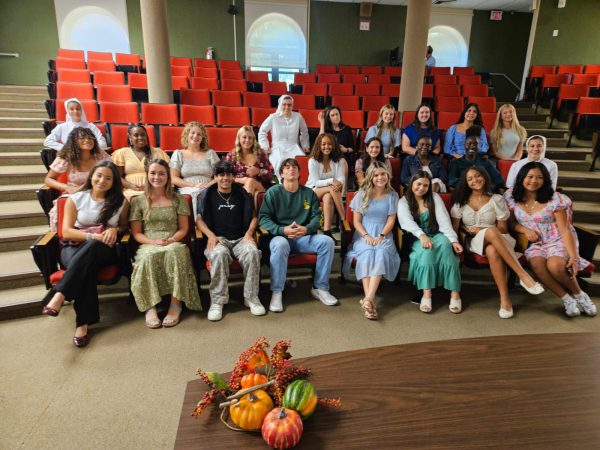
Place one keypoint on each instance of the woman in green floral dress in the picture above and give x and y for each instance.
(159, 222)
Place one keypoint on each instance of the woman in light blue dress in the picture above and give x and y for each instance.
(372, 246)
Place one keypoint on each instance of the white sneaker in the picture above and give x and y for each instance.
(215, 312)
(571, 308)
(256, 308)
(324, 296)
(276, 304)
(586, 304)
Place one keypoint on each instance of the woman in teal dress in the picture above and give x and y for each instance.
(433, 259)
(159, 223)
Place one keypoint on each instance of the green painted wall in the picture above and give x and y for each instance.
(577, 41)
(194, 25)
(28, 28)
(335, 37)
(499, 46)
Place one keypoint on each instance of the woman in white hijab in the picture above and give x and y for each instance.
(536, 151)
(75, 118)
(284, 125)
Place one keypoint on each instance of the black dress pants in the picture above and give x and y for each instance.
(79, 280)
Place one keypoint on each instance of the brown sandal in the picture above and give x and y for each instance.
(368, 306)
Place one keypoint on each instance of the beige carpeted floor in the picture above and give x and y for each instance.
(125, 390)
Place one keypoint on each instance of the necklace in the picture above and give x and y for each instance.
(530, 208)
(226, 200)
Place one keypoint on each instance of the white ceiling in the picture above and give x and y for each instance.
(504, 5)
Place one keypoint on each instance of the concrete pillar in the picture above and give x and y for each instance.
(156, 50)
(415, 47)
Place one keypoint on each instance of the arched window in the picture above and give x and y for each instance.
(449, 46)
(276, 41)
(93, 28)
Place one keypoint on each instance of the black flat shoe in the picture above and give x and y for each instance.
(81, 341)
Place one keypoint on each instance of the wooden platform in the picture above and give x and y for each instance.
(510, 392)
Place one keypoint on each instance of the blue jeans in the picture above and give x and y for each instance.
(281, 247)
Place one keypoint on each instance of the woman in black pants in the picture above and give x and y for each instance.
(93, 217)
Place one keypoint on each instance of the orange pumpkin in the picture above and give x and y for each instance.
(248, 413)
(253, 379)
(258, 359)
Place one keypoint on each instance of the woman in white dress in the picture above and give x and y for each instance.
(536, 151)
(285, 125)
(75, 117)
(483, 216)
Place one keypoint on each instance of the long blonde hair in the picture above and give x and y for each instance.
(368, 185)
(237, 149)
(148, 189)
(496, 133)
(379, 123)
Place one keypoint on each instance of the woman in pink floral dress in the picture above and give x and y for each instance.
(545, 217)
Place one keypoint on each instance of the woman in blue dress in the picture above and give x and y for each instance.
(423, 125)
(374, 208)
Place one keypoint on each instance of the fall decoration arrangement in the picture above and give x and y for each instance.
(265, 394)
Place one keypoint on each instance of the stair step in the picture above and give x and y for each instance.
(586, 194)
(591, 285)
(24, 122)
(22, 212)
(22, 89)
(20, 238)
(17, 270)
(21, 145)
(568, 178)
(22, 133)
(548, 134)
(586, 211)
(16, 192)
(571, 153)
(572, 164)
(21, 302)
(555, 142)
(32, 102)
(532, 123)
(39, 113)
(19, 158)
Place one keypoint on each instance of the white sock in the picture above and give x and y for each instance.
(566, 297)
(580, 295)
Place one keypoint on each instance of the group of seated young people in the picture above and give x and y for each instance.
(136, 190)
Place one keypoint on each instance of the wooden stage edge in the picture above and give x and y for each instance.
(510, 392)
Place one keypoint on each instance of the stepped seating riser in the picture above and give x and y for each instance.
(29, 219)
(16, 196)
(578, 182)
(32, 280)
(592, 289)
(10, 148)
(24, 160)
(11, 89)
(20, 243)
(587, 216)
(11, 121)
(582, 196)
(26, 102)
(22, 179)
(29, 133)
(566, 154)
(37, 113)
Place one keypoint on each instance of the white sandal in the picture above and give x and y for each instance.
(455, 305)
(425, 305)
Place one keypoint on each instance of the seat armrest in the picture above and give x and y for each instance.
(124, 254)
(45, 251)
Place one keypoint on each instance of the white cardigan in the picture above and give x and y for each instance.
(316, 177)
(409, 224)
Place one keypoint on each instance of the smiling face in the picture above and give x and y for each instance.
(423, 114)
(286, 107)
(138, 138)
(387, 115)
(423, 147)
(247, 141)
(535, 149)
(475, 180)
(74, 111)
(102, 179)
(326, 146)
(157, 176)
(506, 115)
(380, 177)
(420, 187)
(534, 180)
(195, 136)
(471, 147)
(471, 114)
(335, 117)
(224, 181)
(374, 149)
(85, 142)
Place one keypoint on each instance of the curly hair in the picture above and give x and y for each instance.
(237, 149)
(379, 123)
(430, 124)
(478, 119)
(186, 132)
(71, 151)
(544, 194)
(316, 153)
(368, 185)
(413, 205)
(366, 158)
(113, 198)
(463, 192)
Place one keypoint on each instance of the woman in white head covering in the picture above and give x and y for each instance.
(285, 125)
(536, 151)
(75, 117)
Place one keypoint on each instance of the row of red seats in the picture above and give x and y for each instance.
(392, 70)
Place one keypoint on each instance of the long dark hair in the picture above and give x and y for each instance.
(366, 158)
(113, 198)
(71, 151)
(430, 123)
(413, 205)
(316, 153)
(544, 194)
(148, 148)
(463, 191)
(327, 121)
(478, 120)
